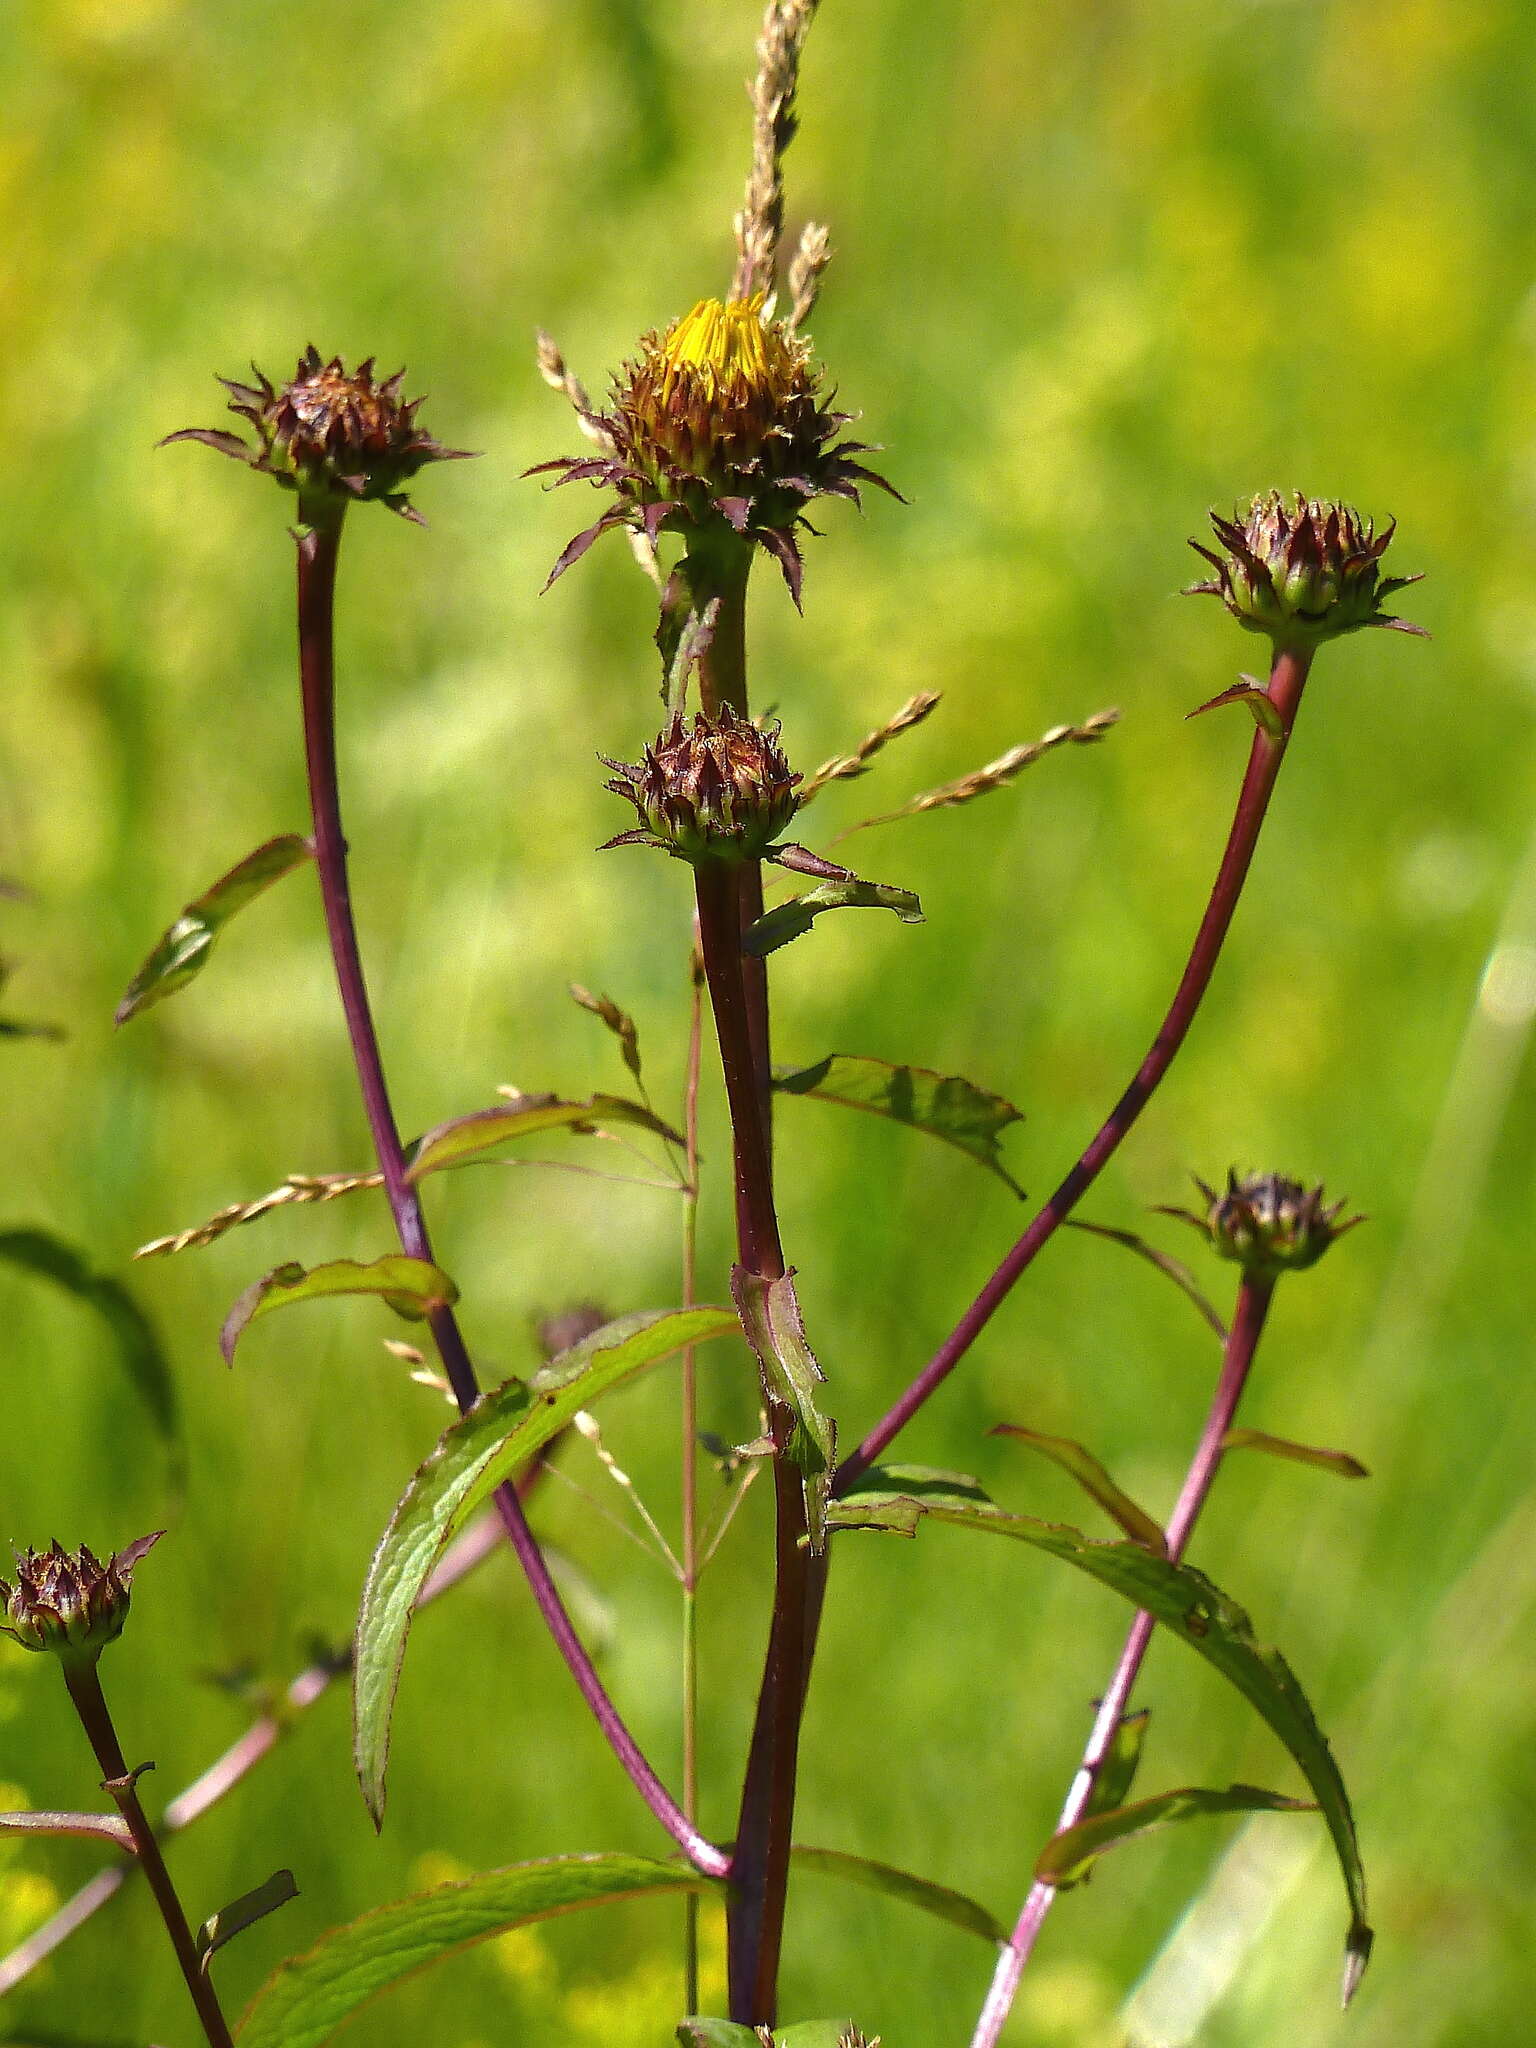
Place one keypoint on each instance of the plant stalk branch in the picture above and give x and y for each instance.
(1287, 680)
(318, 550)
(1253, 1302)
(90, 1704)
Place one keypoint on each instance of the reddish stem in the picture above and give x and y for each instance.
(1253, 1302)
(317, 556)
(91, 1705)
(1287, 680)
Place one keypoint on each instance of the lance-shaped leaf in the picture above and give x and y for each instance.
(704, 2033)
(309, 1997)
(842, 891)
(946, 1106)
(183, 951)
(524, 1116)
(411, 1287)
(770, 1315)
(1067, 1858)
(1174, 1269)
(928, 1897)
(105, 1827)
(1185, 1602)
(501, 1432)
(1091, 1476)
(133, 1335)
(244, 1912)
(1339, 1462)
(1117, 1773)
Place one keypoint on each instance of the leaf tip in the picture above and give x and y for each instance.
(1357, 1953)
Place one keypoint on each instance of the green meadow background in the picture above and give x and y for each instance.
(1100, 264)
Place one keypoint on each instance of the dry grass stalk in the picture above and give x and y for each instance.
(846, 767)
(761, 221)
(996, 774)
(810, 260)
(298, 1187)
(559, 376)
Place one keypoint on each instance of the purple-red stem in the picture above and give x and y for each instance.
(90, 1704)
(760, 1861)
(1287, 679)
(318, 548)
(1253, 1302)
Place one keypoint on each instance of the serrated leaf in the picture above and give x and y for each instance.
(1185, 1602)
(411, 1287)
(1339, 1462)
(308, 1997)
(937, 1899)
(183, 951)
(499, 1433)
(1117, 1773)
(789, 920)
(1068, 1857)
(133, 1335)
(1084, 1467)
(463, 1137)
(106, 1827)
(770, 1315)
(243, 1912)
(946, 1106)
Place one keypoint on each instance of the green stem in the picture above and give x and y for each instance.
(91, 1705)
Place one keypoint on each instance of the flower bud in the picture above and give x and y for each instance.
(329, 434)
(1301, 573)
(68, 1602)
(716, 789)
(1267, 1224)
(718, 422)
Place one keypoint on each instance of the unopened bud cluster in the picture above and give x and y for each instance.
(1268, 1224)
(329, 433)
(1301, 572)
(67, 1602)
(713, 788)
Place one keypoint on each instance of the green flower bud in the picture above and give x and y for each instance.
(67, 1602)
(1301, 573)
(1267, 1224)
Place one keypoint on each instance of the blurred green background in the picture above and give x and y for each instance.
(1100, 263)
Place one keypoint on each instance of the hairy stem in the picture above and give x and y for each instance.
(1287, 680)
(318, 548)
(1253, 1302)
(91, 1705)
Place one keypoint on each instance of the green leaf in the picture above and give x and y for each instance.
(702, 2033)
(411, 1287)
(463, 1137)
(244, 1912)
(183, 951)
(937, 1899)
(308, 1997)
(946, 1106)
(1185, 1602)
(770, 1315)
(132, 1333)
(1117, 1773)
(1094, 1480)
(787, 921)
(1068, 1857)
(1174, 1269)
(473, 1456)
(1339, 1462)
